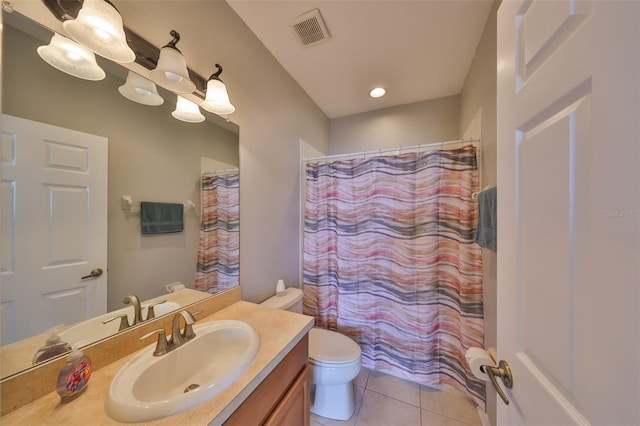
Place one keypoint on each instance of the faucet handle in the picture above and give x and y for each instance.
(124, 321)
(161, 345)
(150, 310)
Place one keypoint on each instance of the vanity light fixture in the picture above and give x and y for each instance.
(377, 92)
(187, 111)
(99, 27)
(97, 23)
(217, 98)
(72, 58)
(171, 71)
(141, 90)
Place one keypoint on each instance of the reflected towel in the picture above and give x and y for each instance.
(488, 219)
(161, 218)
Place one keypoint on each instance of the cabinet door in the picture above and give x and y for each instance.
(268, 398)
(294, 408)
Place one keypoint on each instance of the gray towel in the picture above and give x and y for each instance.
(488, 219)
(161, 218)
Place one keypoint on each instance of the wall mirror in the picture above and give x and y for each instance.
(150, 157)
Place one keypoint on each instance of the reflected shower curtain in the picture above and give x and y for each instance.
(390, 260)
(218, 266)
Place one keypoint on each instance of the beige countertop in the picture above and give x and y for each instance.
(279, 332)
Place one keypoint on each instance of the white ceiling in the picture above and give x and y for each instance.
(417, 50)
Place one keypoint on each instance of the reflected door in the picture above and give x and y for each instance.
(54, 227)
(569, 211)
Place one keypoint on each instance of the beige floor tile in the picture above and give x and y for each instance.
(315, 423)
(394, 387)
(379, 410)
(429, 418)
(359, 392)
(450, 405)
(362, 378)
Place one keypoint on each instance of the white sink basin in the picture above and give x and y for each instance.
(151, 387)
(93, 329)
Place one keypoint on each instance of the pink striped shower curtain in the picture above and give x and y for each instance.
(390, 260)
(218, 266)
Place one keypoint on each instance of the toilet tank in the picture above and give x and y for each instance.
(290, 300)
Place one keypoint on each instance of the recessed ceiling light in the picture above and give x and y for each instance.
(377, 92)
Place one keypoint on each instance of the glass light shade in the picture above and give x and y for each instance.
(187, 111)
(70, 57)
(141, 90)
(171, 72)
(217, 98)
(99, 27)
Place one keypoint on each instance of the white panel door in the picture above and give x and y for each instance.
(569, 211)
(54, 227)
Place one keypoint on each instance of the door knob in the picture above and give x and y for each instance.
(93, 274)
(504, 372)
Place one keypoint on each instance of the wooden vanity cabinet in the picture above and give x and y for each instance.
(283, 397)
(293, 409)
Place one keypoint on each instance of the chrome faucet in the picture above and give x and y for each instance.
(178, 338)
(137, 311)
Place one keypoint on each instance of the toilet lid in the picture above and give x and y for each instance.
(331, 347)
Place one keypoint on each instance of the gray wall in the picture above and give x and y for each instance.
(434, 120)
(273, 113)
(152, 157)
(478, 113)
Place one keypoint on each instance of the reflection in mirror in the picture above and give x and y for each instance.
(218, 253)
(18, 356)
(148, 156)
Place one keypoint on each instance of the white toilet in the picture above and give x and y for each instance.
(335, 361)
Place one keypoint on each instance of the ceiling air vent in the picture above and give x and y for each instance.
(310, 28)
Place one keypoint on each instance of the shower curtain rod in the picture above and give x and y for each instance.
(220, 172)
(398, 149)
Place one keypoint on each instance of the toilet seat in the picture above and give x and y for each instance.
(330, 347)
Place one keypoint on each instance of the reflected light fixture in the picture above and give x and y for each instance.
(187, 111)
(141, 90)
(377, 92)
(217, 98)
(171, 71)
(72, 58)
(99, 27)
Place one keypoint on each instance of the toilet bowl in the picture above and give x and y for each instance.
(335, 361)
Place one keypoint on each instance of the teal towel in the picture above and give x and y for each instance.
(161, 218)
(488, 219)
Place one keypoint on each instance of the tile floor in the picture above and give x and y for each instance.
(383, 400)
